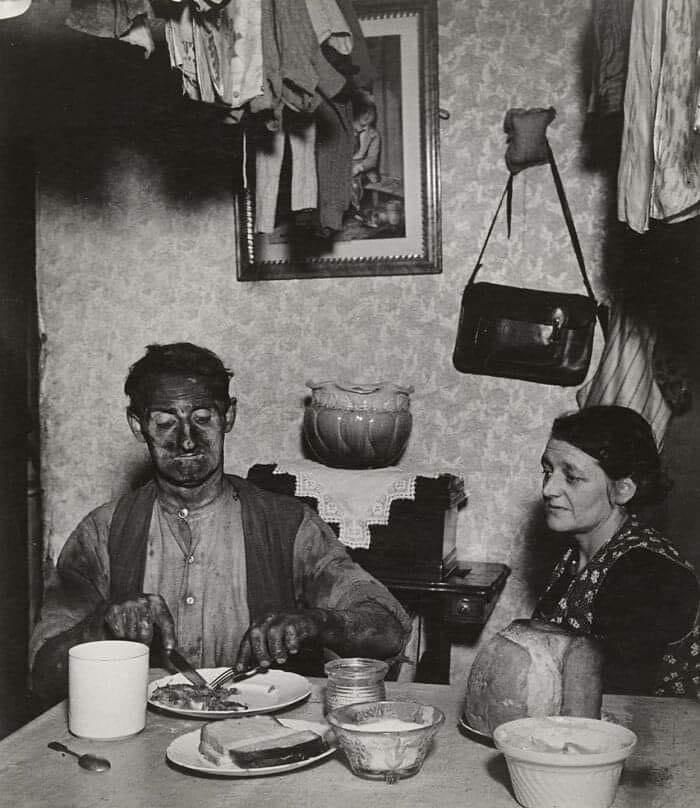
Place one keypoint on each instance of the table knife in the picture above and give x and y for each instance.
(192, 674)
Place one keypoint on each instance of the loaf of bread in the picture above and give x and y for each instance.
(533, 669)
(258, 741)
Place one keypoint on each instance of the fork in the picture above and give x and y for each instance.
(230, 675)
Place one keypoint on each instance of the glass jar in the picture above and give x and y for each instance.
(354, 679)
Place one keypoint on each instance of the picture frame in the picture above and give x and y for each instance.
(392, 226)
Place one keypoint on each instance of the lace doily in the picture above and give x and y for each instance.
(353, 499)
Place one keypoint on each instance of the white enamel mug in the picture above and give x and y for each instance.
(107, 689)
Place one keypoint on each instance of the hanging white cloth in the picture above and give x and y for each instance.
(268, 167)
(625, 375)
(659, 174)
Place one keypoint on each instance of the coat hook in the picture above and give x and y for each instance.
(444, 114)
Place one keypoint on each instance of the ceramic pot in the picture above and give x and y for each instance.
(357, 426)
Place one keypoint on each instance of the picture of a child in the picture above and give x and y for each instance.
(367, 151)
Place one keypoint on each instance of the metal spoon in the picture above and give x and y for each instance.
(92, 763)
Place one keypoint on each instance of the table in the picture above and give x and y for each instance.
(459, 772)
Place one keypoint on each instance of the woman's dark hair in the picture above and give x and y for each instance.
(621, 440)
(178, 358)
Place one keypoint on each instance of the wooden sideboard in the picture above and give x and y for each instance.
(451, 610)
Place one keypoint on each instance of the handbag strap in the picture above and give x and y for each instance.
(568, 218)
(507, 192)
(507, 195)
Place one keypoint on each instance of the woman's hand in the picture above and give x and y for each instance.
(135, 619)
(277, 636)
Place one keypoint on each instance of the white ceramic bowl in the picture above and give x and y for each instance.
(564, 762)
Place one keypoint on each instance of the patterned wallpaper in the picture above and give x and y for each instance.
(136, 245)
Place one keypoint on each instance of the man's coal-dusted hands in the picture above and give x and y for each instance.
(137, 618)
(277, 636)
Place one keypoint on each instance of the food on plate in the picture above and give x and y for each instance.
(256, 742)
(190, 697)
(533, 669)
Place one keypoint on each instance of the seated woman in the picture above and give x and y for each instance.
(619, 580)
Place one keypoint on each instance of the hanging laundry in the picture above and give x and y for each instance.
(270, 102)
(269, 154)
(610, 23)
(330, 25)
(335, 141)
(179, 36)
(140, 35)
(296, 74)
(335, 136)
(625, 374)
(303, 68)
(218, 51)
(659, 174)
(316, 82)
(361, 71)
(264, 57)
(127, 20)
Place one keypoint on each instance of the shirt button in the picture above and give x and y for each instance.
(183, 513)
(190, 559)
(189, 600)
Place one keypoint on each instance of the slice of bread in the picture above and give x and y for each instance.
(257, 741)
(299, 745)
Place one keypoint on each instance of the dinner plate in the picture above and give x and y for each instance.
(462, 723)
(184, 752)
(263, 693)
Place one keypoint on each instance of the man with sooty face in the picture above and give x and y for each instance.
(200, 559)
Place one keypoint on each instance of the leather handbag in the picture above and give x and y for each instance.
(528, 334)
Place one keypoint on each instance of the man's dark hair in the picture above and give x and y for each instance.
(178, 358)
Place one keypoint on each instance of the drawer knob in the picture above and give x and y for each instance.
(466, 606)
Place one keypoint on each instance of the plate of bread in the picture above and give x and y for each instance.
(252, 746)
(261, 693)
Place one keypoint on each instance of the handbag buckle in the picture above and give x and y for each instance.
(558, 319)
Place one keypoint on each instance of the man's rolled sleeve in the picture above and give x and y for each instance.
(325, 576)
(78, 583)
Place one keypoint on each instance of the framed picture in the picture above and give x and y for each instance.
(390, 225)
